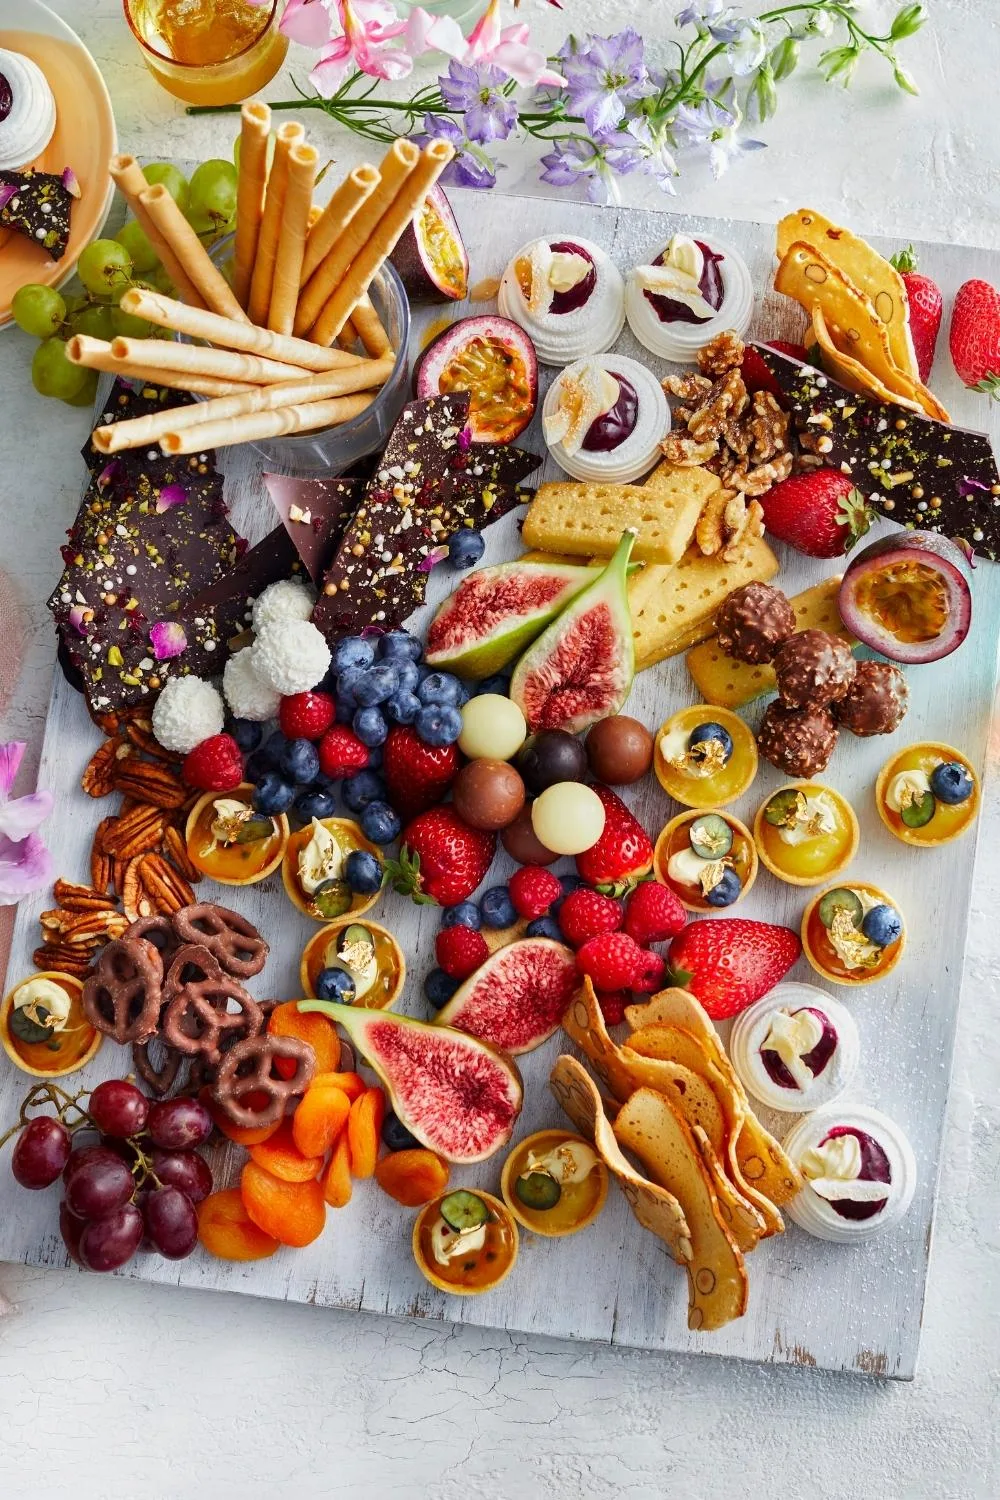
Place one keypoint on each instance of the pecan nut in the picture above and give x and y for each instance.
(98, 779)
(135, 901)
(139, 732)
(137, 831)
(175, 848)
(62, 959)
(148, 781)
(166, 887)
(73, 897)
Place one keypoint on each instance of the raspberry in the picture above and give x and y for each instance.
(612, 1003)
(613, 960)
(653, 913)
(341, 753)
(533, 891)
(306, 716)
(586, 914)
(460, 951)
(215, 765)
(653, 974)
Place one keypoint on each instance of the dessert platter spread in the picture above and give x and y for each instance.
(404, 774)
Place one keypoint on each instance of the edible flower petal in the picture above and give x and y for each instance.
(19, 816)
(168, 638)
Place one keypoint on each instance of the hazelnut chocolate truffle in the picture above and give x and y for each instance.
(753, 622)
(798, 741)
(813, 668)
(876, 701)
(619, 749)
(488, 794)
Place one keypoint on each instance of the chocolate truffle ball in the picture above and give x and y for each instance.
(876, 701)
(488, 794)
(813, 669)
(798, 741)
(753, 622)
(619, 749)
(551, 755)
(523, 844)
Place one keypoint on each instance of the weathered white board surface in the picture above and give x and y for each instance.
(856, 1309)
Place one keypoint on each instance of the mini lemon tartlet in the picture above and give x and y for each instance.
(366, 958)
(927, 794)
(806, 833)
(43, 1028)
(708, 859)
(465, 1242)
(230, 842)
(554, 1183)
(313, 869)
(704, 757)
(853, 934)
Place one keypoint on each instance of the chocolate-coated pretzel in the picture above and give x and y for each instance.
(192, 963)
(159, 1079)
(160, 932)
(123, 992)
(248, 1070)
(233, 940)
(198, 1018)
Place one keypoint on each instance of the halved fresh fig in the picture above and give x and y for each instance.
(909, 596)
(494, 360)
(580, 668)
(458, 1095)
(431, 258)
(518, 997)
(496, 612)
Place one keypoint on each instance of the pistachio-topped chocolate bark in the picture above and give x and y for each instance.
(37, 204)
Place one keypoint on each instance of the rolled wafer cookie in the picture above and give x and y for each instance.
(355, 190)
(253, 426)
(96, 354)
(199, 359)
(131, 182)
(213, 288)
(290, 134)
(303, 161)
(255, 118)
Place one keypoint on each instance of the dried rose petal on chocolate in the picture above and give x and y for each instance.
(798, 741)
(813, 668)
(876, 701)
(168, 638)
(753, 622)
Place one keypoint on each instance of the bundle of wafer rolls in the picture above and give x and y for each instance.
(294, 343)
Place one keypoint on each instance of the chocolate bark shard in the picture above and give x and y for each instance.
(919, 472)
(139, 398)
(117, 659)
(228, 599)
(37, 204)
(315, 513)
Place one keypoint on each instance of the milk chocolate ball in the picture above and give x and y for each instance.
(619, 749)
(488, 794)
(523, 844)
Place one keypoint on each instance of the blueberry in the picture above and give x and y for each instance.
(727, 891)
(380, 823)
(465, 914)
(464, 694)
(335, 984)
(498, 684)
(440, 688)
(951, 783)
(374, 757)
(299, 762)
(439, 988)
(363, 872)
(255, 766)
(570, 883)
(882, 925)
(409, 674)
(370, 727)
(711, 731)
(403, 707)
(361, 788)
(272, 795)
(424, 671)
(316, 802)
(353, 652)
(465, 549)
(497, 907)
(272, 750)
(345, 711)
(347, 683)
(545, 927)
(246, 733)
(396, 1137)
(400, 646)
(435, 725)
(329, 682)
(377, 684)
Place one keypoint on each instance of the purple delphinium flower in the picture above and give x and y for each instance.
(489, 114)
(596, 163)
(711, 126)
(604, 76)
(25, 863)
(470, 167)
(657, 158)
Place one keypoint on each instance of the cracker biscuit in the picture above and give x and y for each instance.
(588, 519)
(674, 608)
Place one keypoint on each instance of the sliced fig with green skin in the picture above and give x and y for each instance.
(909, 596)
(496, 612)
(494, 360)
(457, 1095)
(518, 997)
(580, 668)
(430, 257)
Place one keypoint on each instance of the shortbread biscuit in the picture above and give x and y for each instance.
(588, 519)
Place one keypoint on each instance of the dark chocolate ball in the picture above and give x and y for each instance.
(522, 843)
(551, 755)
(488, 794)
(619, 749)
(753, 621)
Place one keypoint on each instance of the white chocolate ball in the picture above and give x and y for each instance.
(568, 817)
(493, 728)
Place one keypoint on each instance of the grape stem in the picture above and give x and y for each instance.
(65, 1104)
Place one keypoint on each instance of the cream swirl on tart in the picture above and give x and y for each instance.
(690, 291)
(567, 295)
(27, 111)
(858, 1169)
(604, 417)
(797, 1049)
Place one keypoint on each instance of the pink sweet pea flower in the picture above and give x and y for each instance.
(369, 27)
(507, 47)
(25, 863)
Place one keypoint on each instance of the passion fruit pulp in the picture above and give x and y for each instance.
(431, 258)
(494, 360)
(909, 596)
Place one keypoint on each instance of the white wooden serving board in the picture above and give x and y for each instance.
(856, 1309)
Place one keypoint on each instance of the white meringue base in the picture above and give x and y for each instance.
(681, 342)
(641, 449)
(564, 338)
(750, 1031)
(817, 1217)
(28, 128)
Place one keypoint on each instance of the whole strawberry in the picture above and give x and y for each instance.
(613, 961)
(653, 913)
(728, 963)
(215, 765)
(756, 375)
(622, 854)
(460, 951)
(974, 337)
(341, 753)
(819, 512)
(533, 890)
(585, 914)
(441, 859)
(305, 716)
(417, 775)
(926, 306)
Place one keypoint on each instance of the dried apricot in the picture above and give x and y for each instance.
(319, 1119)
(309, 1027)
(243, 1135)
(292, 1212)
(280, 1155)
(412, 1177)
(337, 1187)
(351, 1084)
(226, 1230)
(363, 1126)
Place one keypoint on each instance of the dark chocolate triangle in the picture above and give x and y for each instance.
(315, 513)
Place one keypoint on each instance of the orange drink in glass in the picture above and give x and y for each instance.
(209, 51)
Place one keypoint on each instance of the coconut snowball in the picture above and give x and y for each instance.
(247, 695)
(187, 712)
(285, 600)
(291, 656)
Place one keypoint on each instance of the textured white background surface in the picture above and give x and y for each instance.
(110, 1389)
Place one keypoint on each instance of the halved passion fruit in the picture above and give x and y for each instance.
(909, 596)
(431, 258)
(494, 360)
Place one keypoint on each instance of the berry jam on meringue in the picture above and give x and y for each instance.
(687, 293)
(604, 417)
(858, 1169)
(567, 295)
(795, 1050)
